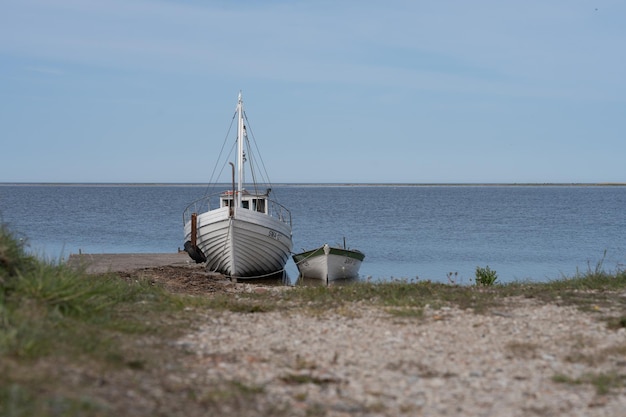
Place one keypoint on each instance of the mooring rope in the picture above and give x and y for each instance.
(280, 271)
(306, 258)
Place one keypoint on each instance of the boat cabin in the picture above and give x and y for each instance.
(254, 202)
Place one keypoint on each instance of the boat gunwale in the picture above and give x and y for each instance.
(350, 253)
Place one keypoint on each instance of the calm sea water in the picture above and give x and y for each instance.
(533, 233)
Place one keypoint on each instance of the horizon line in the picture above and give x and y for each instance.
(197, 184)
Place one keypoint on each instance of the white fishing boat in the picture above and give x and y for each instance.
(329, 263)
(238, 232)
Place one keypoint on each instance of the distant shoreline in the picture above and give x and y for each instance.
(320, 184)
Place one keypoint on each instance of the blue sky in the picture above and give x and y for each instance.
(336, 91)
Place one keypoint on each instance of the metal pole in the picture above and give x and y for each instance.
(232, 204)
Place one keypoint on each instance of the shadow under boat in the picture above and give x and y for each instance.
(279, 278)
(316, 282)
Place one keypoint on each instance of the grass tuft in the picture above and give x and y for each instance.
(46, 308)
(604, 383)
(12, 256)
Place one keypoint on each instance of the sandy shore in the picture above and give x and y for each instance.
(124, 262)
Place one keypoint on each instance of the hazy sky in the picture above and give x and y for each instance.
(336, 91)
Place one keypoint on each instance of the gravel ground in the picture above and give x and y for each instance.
(362, 361)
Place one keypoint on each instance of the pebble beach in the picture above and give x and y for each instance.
(527, 360)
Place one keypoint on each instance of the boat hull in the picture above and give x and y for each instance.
(245, 245)
(329, 264)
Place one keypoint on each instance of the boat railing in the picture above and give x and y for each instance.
(211, 201)
(201, 205)
(279, 211)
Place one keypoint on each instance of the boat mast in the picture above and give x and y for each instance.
(240, 139)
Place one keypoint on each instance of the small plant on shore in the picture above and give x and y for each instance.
(452, 277)
(485, 276)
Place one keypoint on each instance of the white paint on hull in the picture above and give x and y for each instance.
(248, 245)
(329, 266)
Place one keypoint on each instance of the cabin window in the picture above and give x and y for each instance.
(227, 203)
(245, 204)
(259, 205)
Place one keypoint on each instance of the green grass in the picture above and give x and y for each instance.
(48, 306)
(53, 318)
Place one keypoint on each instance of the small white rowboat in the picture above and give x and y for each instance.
(329, 263)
